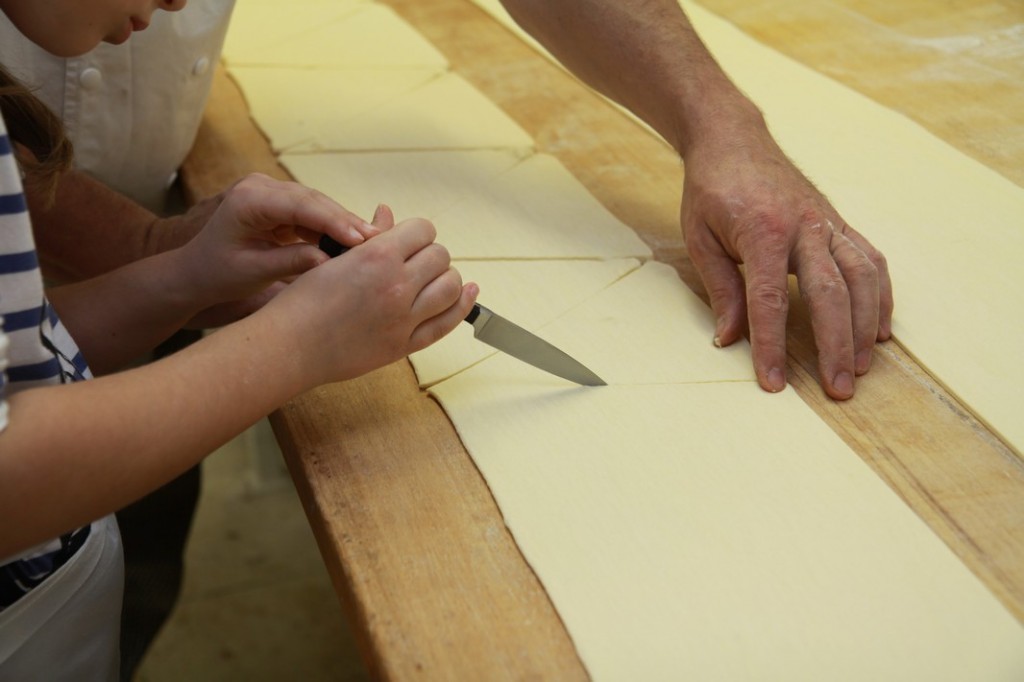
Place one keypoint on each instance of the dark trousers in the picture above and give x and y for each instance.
(154, 532)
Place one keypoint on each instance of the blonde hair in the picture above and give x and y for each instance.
(41, 147)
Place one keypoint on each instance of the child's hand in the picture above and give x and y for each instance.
(377, 303)
(263, 231)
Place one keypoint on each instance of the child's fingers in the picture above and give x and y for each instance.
(426, 265)
(437, 295)
(412, 236)
(383, 220)
(264, 202)
(438, 326)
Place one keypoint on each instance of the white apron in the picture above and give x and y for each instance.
(68, 627)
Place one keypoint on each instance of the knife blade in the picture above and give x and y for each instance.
(510, 338)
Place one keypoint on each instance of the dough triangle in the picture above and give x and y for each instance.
(536, 210)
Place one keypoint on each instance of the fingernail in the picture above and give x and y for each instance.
(376, 212)
(862, 362)
(776, 379)
(354, 234)
(717, 341)
(843, 383)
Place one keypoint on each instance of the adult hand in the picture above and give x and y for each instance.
(745, 203)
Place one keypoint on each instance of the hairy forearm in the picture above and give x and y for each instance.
(106, 442)
(645, 55)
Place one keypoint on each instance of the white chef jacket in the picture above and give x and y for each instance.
(132, 110)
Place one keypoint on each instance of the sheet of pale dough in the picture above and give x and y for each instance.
(325, 34)
(314, 110)
(710, 531)
(533, 208)
(257, 26)
(949, 226)
(416, 183)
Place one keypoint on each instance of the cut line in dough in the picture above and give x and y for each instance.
(662, 332)
(316, 110)
(537, 209)
(412, 183)
(528, 293)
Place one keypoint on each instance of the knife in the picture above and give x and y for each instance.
(497, 332)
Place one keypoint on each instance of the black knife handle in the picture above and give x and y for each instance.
(332, 248)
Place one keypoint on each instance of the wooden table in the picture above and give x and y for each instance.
(417, 549)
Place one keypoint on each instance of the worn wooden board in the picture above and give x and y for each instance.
(410, 534)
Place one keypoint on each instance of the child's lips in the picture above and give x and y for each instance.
(125, 32)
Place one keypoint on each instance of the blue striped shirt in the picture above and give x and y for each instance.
(35, 350)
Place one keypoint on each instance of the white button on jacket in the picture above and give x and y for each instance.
(201, 66)
(91, 78)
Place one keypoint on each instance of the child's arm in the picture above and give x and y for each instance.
(247, 244)
(71, 454)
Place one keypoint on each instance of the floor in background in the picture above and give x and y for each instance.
(257, 603)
